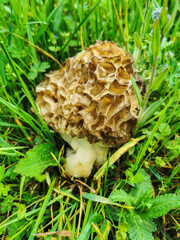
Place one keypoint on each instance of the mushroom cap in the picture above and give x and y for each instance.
(92, 95)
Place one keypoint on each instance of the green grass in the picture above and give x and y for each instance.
(36, 37)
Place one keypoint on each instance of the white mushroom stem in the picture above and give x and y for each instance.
(83, 155)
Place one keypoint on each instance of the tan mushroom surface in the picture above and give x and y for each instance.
(91, 102)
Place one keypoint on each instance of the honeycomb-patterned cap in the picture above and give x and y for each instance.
(92, 95)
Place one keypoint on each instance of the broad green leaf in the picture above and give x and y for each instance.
(164, 129)
(142, 191)
(137, 92)
(6, 205)
(120, 196)
(160, 162)
(123, 228)
(6, 190)
(40, 177)
(43, 66)
(36, 160)
(140, 229)
(157, 82)
(161, 205)
(155, 43)
(134, 178)
(137, 41)
(1, 188)
(21, 210)
(137, 178)
(37, 68)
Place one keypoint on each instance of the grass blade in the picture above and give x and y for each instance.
(42, 211)
(137, 41)
(36, 47)
(116, 156)
(81, 23)
(48, 20)
(118, 20)
(163, 112)
(18, 75)
(137, 92)
(20, 231)
(171, 21)
(97, 198)
(2, 71)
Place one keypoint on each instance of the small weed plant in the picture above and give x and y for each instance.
(141, 207)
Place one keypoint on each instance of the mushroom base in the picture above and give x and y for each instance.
(82, 156)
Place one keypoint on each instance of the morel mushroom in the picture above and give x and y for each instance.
(91, 102)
